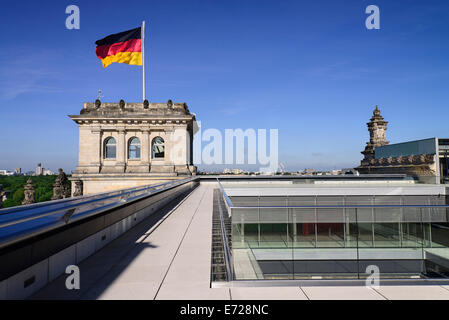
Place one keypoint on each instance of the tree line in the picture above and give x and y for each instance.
(43, 186)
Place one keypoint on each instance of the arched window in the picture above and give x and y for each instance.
(109, 148)
(134, 148)
(158, 147)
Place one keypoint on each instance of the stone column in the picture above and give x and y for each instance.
(121, 150)
(96, 139)
(168, 144)
(145, 151)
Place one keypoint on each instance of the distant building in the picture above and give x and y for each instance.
(6, 172)
(425, 159)
(309, 172)
(47, 172)
(18, 171)
(39, 170)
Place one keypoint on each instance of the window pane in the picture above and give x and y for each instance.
(134, 152)
(158, 147)
(109, 150)
(134, 148)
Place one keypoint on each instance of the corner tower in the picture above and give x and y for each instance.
(377, 128)
(123, 145)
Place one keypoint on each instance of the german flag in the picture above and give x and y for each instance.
(123, 47)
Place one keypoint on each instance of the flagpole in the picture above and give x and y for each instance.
(143, 60)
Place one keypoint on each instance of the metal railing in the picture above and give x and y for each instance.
(225, 236)
(22, 222)
(228, 201)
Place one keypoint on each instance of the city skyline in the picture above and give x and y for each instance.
(312, 71)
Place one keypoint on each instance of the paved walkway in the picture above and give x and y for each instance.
(164, 257)
(168, 256)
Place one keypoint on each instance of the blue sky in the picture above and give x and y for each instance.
(308, 68)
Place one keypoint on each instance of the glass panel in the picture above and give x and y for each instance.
(302, 235)
(134, 148)
(109, 150)
(134, 152)
(365, 235)
(245, 242)
(386, 235)
(303, 243)
(330, 235)
(158, 147)
(412, 235)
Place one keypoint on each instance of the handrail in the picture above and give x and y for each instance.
(22, 222)
(74, 199)
(345, 206)
(225, 240)
(228, 201)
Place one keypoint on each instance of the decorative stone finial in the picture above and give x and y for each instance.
(60, 188)
(78, 188)
(376, 111)
(28, 192)
(169, 103)
(145, 104)
(122, 104)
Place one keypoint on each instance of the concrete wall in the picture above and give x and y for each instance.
(64, 251)
(103, 184)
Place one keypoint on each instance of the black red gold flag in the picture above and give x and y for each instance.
(123, 47)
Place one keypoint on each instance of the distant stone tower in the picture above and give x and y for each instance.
(377, 128)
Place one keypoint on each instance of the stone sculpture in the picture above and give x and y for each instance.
(29, 193)
(60, 187)
(78, 190)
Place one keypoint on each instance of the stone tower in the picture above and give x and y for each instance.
(377, 128)
(123, 145)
